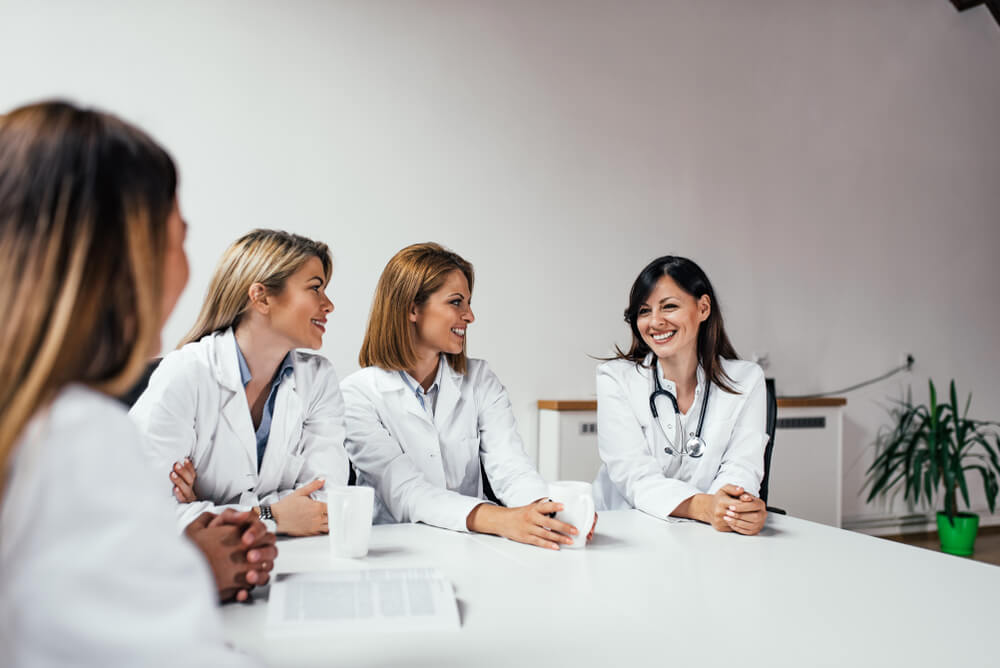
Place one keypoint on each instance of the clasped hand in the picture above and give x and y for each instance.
(239, 550)
(733, 509)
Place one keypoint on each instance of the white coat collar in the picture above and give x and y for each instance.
(449, 391)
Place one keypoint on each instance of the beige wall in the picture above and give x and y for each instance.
(833, 166)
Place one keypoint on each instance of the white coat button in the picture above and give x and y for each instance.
(670, 427)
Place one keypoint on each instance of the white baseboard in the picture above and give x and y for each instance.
(888, 525)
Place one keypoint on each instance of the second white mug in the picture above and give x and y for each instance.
(578, 507)
(349, 514)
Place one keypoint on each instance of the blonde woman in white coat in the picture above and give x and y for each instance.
(422, 417)
(701, 454)
(237, 417)
(92, 571)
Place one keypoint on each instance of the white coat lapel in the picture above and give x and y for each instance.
(285, 421)
(389, 383)
(234, 408)
(449, 394)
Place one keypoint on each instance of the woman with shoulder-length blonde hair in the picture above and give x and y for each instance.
(237, 417)
(423, 420)
(92, 572)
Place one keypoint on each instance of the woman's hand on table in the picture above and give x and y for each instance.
(298, 515)
(529, 524)
(746, 514)
(183, 476)
(239, 550)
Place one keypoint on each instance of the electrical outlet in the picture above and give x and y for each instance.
(588, 427)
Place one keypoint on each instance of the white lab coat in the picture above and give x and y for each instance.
(92, 571)
(634, 469)
(427, 469)
(196, 406)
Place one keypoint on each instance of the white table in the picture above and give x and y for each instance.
(648, 592)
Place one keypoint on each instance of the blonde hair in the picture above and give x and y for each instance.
(267, 257)
(411, 276)
(84, 203)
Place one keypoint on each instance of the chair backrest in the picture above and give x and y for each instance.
(772, 418)
(132, 396)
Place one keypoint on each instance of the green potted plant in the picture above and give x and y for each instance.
(928, 450)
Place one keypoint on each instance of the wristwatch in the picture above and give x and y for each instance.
(265, 513)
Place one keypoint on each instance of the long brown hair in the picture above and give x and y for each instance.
(267, 257)
(84, 203)
(411, 276)
(713, 343)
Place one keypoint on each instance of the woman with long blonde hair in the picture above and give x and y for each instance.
(92, 261)
(237, 417)
(424, 421)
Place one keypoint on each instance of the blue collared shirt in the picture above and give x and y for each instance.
(264, 428)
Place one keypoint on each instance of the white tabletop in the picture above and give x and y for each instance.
(649, 592)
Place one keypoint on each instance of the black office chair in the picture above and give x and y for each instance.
(132, 396)
(772, 420)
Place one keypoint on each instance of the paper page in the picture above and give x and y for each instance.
(403, 599)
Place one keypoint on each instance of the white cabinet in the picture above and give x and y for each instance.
(567, 440)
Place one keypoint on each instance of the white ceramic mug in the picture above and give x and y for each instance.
(578, 507)
(349, 513)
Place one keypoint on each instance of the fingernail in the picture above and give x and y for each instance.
(730, 513)
(173, 476)
(253, 555)
(732, 507)
(727, 518)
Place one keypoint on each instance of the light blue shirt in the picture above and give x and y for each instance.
(427, 398)
(264, 428)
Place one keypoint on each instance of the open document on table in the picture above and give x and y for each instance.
(385, 599)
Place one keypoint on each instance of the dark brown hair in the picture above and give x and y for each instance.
(713, 343)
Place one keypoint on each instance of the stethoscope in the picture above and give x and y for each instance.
(695, 446)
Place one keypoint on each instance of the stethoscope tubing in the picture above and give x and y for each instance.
(659, 391)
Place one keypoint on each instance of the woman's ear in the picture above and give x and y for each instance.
(704, 308)
(257, 294)
(414, 312)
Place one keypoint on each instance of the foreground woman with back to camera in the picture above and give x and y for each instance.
(92, 571)
(681, 420)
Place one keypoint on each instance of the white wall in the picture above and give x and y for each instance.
(833, 166)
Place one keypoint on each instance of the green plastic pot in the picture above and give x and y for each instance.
(958, 538)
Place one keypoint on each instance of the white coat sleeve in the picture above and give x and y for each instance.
(511, 474)
(623, 449)
(322, 442)
(165, 415)
(401, 486)
(98, 576)
(743, 462)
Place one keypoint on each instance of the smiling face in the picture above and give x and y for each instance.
(441, 321)
(299, 311)
(669, 318)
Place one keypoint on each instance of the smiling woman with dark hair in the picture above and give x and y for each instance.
(681, 420)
